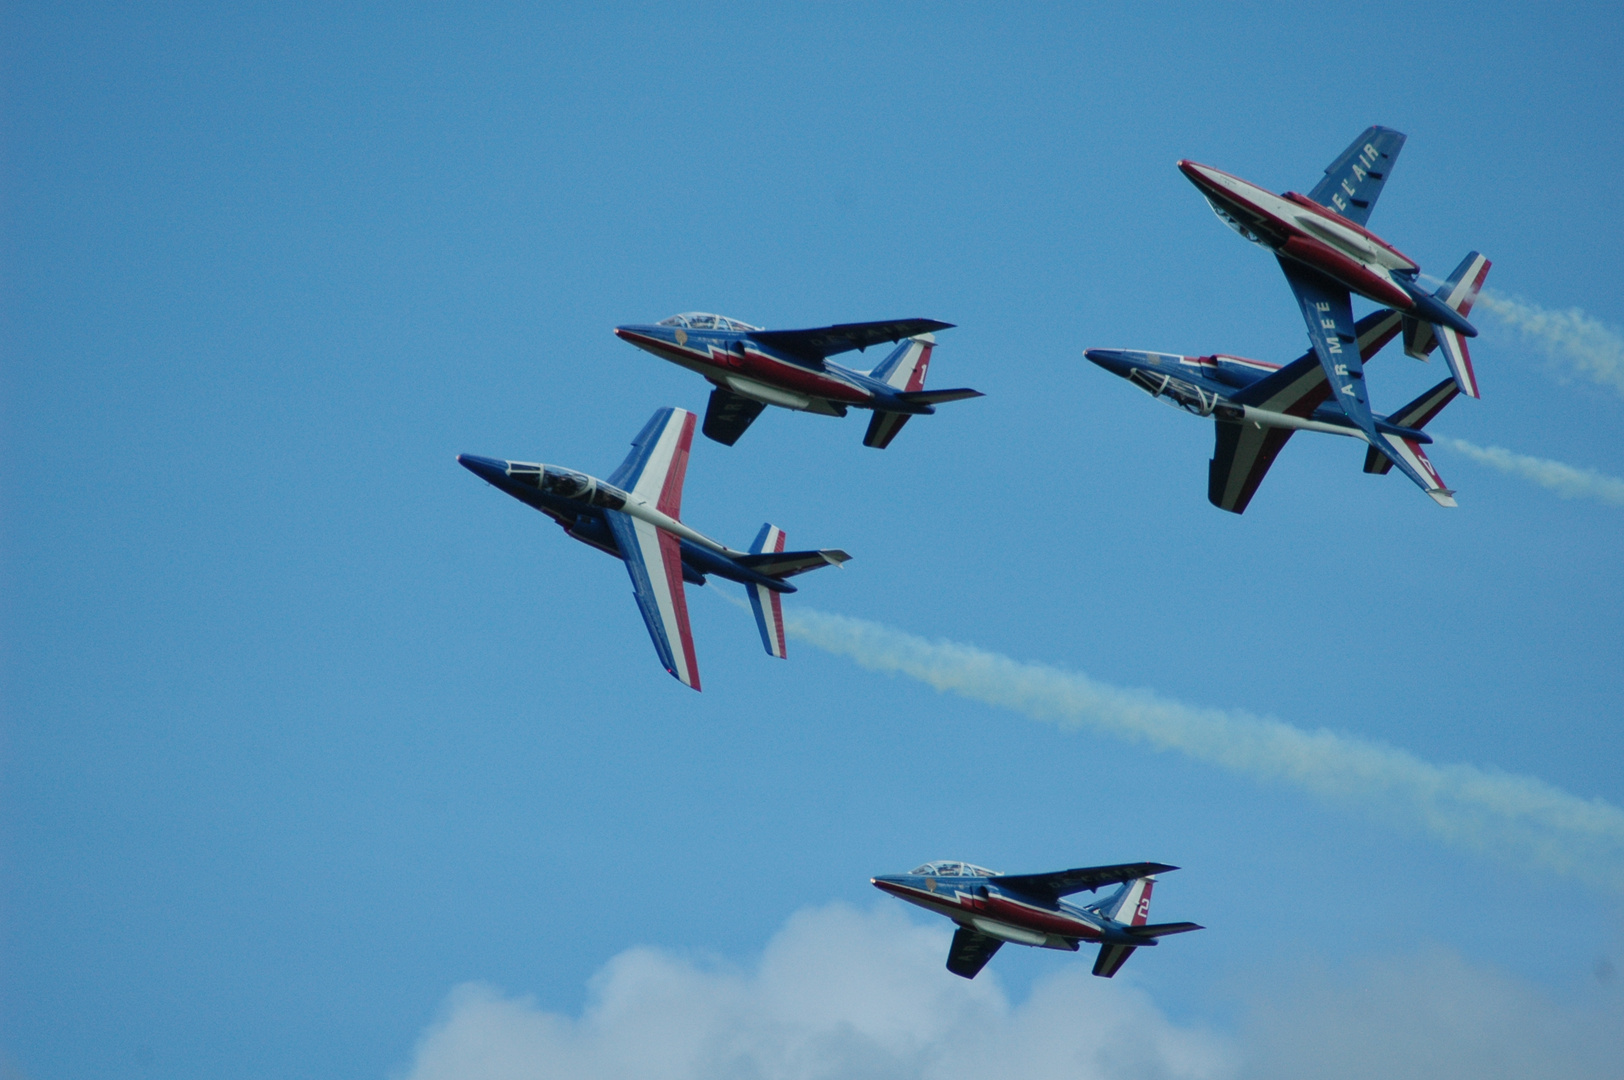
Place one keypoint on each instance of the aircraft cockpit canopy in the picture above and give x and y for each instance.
(699, 320)
(948, 868)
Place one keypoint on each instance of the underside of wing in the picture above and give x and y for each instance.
(813, 345)
(1328, 313)
(1240, 460)
(654, 561)
(1354, 180)
(783, 564)
(1065, 882)
(970, 952)
(729, 414)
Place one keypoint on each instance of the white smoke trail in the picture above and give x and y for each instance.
(1585, 344)
(1567, 481)
(1515, 817)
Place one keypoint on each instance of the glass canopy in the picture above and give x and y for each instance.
(948, 868)
(699, 320)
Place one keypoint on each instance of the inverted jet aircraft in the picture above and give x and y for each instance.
(992, 908)
(1257, 406)
(1326, 253)
(635, 516)
(752, 368)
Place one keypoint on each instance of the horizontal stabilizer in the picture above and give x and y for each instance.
(783, 564)
(883, 428)
(1051, 887)
(813, 345)
(937, 397)
(1156, 930)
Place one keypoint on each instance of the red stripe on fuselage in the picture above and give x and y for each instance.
(995, 906)
(753, 364)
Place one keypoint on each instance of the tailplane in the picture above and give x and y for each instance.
(768, 558)
(1458, 293)
(904, 372)
(1416, 415)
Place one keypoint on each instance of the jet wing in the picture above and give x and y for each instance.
(1051, 887)
(654, 561)
(1328, 312)
(811, 346)
(658, 463)
(729, 414)
(1354, 180)
(783, 564)
(970, 952)
(1242, 453)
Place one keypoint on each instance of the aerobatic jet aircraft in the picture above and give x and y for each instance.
(752, 368)
(1257, 406)
(635, 516)
(992, 908)
(1326, 252)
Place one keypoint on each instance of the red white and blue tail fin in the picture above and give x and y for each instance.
(767, 604)
(905, 368)
(1458, 292)
(1132, 908)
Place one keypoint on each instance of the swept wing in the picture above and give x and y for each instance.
(811, 346)
(970, 951)
(655, 470)
(1051, 887)
(1354, 180)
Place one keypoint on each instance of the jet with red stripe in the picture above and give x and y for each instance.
(1328, 254)
(1256, 406)
(636, 516)
(992, 909)
(751, 368)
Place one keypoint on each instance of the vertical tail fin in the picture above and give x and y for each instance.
(1132, 908)
(767, 604)
(905, 368)
(1459, 292)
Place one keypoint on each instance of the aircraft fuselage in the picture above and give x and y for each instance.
(980, 904)
(733, 361)
(577, 501)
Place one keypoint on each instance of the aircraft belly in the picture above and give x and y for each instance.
(1038, 921)
(783, 375)
(1318, 255)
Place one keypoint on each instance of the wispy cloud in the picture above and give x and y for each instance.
(1565, 480)
(1515, 817)
(842, 992)
(1582, 344)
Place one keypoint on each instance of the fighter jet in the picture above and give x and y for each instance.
(1257, 406)
(752, 368)
(635, 516)
(1326, 252)
(992, 908)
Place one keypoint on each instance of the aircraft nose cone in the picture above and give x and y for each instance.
(1111, 360)
(487, 469)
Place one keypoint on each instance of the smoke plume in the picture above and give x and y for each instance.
(1565, 480)
(1515, 817)
(1580, 343)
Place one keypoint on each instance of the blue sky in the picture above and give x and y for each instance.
(305, 728)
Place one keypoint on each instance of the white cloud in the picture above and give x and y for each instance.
(1582, 343)
(1519, 818)
(1568, 481)
(838, 993)
(1429, 1016)
(845, 993)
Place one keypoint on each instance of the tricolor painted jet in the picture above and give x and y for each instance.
(992, 908)
(752, 368)
(1326, 252)
(635, 516)
(1257, 406)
